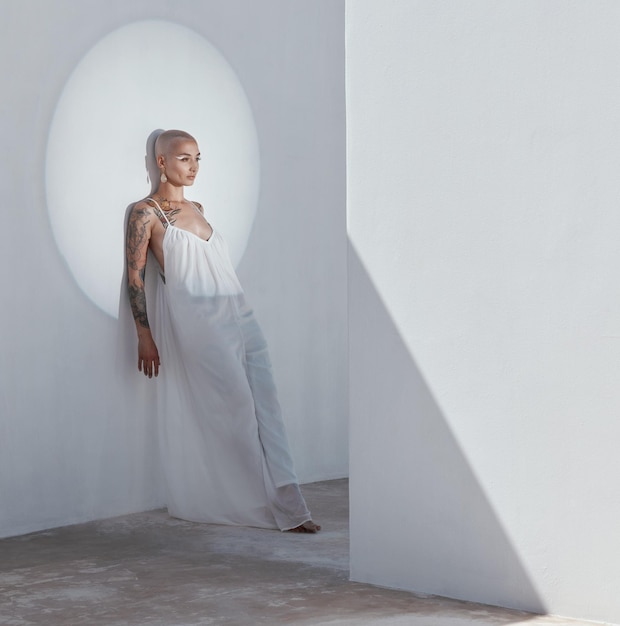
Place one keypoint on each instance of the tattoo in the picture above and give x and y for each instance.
(136, 238)
(137, 299)
(136, 251)
(168, 210)
(171, 213)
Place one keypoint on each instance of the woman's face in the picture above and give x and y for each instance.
(182, 162)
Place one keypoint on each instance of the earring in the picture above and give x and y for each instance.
(163, 177)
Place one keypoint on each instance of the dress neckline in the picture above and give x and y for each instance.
(167, 222)
(189, 232)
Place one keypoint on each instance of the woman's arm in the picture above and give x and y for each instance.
(139, 230)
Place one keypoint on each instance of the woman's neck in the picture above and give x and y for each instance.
(170, 192)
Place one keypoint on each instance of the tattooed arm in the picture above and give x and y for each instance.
(139, 230)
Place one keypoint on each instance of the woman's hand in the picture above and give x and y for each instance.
(148, 356)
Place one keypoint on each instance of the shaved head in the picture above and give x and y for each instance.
(168, 139)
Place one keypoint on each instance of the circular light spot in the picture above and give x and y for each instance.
(139, 78)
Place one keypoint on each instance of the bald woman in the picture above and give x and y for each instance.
(225, 453)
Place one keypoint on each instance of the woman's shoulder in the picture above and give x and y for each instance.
(140, 211)
(198, 206)
(142, 206)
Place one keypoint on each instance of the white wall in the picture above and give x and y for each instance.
(68, 450)
(483, 149)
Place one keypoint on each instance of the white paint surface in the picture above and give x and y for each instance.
(111, 103)
(483, 144)
(71, 447)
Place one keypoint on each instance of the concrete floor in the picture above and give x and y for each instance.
(150, 569)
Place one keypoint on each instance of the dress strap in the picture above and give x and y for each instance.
(160, 214)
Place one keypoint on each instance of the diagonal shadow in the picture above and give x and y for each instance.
(420, 520)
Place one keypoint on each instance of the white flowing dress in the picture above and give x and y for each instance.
(224, 449)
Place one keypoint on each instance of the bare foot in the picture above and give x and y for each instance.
(306, 527)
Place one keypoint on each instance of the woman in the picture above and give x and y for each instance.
(224, 448)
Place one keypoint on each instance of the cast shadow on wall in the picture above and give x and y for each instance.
(409, 476)
(131, 405)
